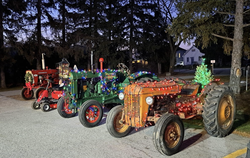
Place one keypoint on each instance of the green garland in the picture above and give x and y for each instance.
(28, 78)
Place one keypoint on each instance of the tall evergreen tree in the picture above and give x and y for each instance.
(10, 25)
(132, 14)
(62, 23)
(37, 33)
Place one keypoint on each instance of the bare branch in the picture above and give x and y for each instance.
(246, 11)
(226, 13)
(223, 37)
(245, 25)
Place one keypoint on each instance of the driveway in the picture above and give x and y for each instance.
(32, 133)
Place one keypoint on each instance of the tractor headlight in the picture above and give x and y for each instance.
(121, 96)
(149, 100)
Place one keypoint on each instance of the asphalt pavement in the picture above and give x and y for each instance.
(29, 133)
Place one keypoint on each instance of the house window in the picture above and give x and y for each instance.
(188, 59)
(179, 55)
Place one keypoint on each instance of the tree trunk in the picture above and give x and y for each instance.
(64, 24)
(131, 43)
(39, 35)
(237, 48)
(172, 54)
(39, 63)
(171, 65)
(159, 68)
(1, 27)
(3, 83)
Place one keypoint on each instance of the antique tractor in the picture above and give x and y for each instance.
(49, 97)
(165, 103)
(35, 80)
(87, 91)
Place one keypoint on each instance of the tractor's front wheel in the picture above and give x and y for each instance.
(114, 124)
(35, 105)
(27, 94)
(63, 108)
(38, 92)
(168, 134)
(45, 107)
(219, 111)
(90, 113)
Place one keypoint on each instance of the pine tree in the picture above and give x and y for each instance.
(11, 12)
(37, 34)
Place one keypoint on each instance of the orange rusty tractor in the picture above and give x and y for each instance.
(165, 103)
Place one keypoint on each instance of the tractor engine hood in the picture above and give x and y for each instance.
(135, 105)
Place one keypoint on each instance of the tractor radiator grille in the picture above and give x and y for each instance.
(132, 108)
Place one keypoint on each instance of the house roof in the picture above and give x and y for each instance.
(190, 50)
(179, 48)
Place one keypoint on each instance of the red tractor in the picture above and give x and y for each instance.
(49, 97)
(35, 80)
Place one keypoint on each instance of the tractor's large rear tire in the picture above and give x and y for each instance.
(113, 124)
(26, 94)
(38, 92)
(63, 109)
(168, 134)
(90, 113)
(219, 111)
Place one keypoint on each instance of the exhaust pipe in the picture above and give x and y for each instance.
(101, 60)
(92, 65)
(43, 61)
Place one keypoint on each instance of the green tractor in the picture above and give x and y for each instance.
(87, 92)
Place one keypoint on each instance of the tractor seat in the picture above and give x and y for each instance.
(190, 89)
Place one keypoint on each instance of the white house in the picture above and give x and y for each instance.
(192, 55)
(179, 54)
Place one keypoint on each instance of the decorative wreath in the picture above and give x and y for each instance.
(28, 77)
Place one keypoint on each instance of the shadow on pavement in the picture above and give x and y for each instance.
(191, 141)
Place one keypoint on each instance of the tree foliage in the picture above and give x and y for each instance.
(208, 20)
(10, 23)
(118, 31)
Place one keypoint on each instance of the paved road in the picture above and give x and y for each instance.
(29, 133)
(217, 71)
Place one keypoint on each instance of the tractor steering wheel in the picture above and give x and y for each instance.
(122, 67)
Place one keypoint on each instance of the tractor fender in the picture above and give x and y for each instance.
(28, 85)
(45, 94)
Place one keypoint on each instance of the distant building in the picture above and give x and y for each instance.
(190, 56)
(179, 54)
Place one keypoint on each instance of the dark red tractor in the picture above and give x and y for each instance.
(49, 97)
(35, 80)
